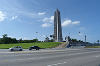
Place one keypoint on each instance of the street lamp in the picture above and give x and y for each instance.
(85, 38)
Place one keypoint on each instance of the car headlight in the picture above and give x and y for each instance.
(10, 48)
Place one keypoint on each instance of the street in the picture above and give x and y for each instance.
(51, 57)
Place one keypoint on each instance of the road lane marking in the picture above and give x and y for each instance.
(18, 54)
(59, 63)
(97, 56)
(49, 65)
(38, 51)
(65, 62)
(7, 52)
(56, 64)
(82, 53)
(53, 56)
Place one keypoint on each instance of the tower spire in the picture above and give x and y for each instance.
(57, 27)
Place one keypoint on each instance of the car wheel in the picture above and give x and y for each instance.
(11, 50)
(30, 49)
(37, 49)
(20, 50)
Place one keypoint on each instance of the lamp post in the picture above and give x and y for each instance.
(85, 38)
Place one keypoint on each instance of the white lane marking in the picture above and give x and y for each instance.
(38, 51)
(65, 62)
(54, 64)
(82, 53)
(97, 56)
(19, 54)
(49, 65)
(53, 56)
(25, 54)
(7, 52)
(57, 64)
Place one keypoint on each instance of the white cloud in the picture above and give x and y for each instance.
(70, 22)
(26, 38)
(2, 16)
(50, 19)
(46, 25)
(14, 17)
(41, 13)
(76, 22)
(66, 23)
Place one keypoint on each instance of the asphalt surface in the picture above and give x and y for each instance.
(51, 57)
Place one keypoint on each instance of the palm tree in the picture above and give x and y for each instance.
(5, 35)
(98, 41)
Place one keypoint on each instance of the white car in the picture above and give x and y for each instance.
(16, 48)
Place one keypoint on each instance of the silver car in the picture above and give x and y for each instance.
(16, 48)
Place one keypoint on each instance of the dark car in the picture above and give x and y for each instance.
(34, 47)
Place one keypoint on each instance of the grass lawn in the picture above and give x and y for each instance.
(92, 47)
(27, 45)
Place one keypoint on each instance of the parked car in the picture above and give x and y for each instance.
(34, 47)
(16, 48)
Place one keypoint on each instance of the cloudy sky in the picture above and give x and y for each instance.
(29, 19)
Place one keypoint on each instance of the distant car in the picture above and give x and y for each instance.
(16, 48)
(34, 47)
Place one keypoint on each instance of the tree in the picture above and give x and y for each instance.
(20, 40)
(69, 39)
(7, 40)
(98, 41)
(74, 40)
(35, 40)
(5, 35)
(51, 40)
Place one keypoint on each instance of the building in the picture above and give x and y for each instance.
(57, 27)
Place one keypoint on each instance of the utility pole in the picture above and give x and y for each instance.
(85, 38)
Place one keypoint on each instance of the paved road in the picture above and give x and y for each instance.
(51, 57)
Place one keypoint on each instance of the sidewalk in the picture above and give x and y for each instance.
(63, 45)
